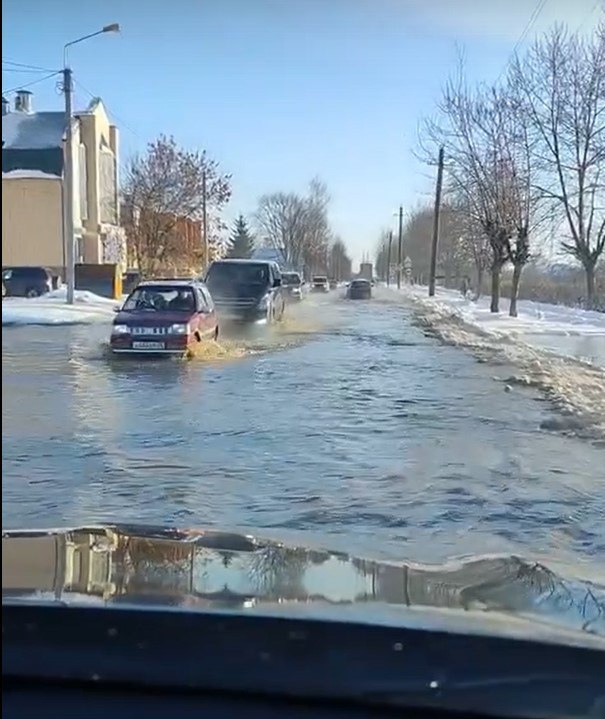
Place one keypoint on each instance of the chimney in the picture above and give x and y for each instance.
(23, 101)
(6, 108)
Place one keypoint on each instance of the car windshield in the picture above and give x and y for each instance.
(229, 274)
(328, 271)
(291, 279)
(161, 299)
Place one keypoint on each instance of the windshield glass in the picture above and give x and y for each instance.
(161, 299)
(226, 274)
(328, 271)
(291, 279)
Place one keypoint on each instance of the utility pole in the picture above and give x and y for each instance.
(389, 258)
(205, 253)
(68, 171)
(68, 191)
(400, 248)
(436, 223)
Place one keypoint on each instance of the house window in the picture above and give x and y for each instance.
(107, 189)
(83, 170)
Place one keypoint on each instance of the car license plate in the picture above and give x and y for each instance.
(148, 345)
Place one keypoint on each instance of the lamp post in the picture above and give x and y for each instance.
(68, 172)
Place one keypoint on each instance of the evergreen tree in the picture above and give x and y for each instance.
(241, 241)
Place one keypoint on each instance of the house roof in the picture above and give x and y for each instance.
(49, 161)
(32, 130)
(33, 141)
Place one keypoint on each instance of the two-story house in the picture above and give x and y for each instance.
(33, 148)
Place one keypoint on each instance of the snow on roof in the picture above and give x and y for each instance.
(28, 175)
(32, 131)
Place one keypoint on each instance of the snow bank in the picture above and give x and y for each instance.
(51, 309)
(534, 317)
(576, 389)
(29, 175)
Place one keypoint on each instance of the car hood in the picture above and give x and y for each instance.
(207, 570)
(151, 319)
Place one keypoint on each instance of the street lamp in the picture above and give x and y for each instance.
(68, 172)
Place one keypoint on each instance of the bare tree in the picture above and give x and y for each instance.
(381, 256)
(280, 218)
(470, 130)
(339, 262)
(317, 227)
(164, 193)
(562, 83)
(525, 206)
(298, 226)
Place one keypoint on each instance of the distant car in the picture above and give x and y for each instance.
(164, 317)
(333, 284)
(292, 284)
(359, 290)
(247, 291)
(26, 281)
(320, 284)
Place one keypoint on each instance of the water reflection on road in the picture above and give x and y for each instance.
(346, 426)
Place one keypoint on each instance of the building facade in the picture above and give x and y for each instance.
(33, 149)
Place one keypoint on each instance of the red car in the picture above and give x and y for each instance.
(164, 317)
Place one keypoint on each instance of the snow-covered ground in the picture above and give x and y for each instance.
(564, 330)
(540, 348)
(52, 309)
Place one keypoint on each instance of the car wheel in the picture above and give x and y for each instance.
(32, 292)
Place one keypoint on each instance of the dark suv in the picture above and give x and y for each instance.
(246, 290)
(26, 281)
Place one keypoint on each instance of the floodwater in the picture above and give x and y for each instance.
(348, 428)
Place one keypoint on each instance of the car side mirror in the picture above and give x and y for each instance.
(117, 308)
(277, 282)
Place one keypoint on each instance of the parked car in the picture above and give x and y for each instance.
(26, 281)
(248, 291)
(164, 317)
(292, 283)
(359, 290)
(320, 284)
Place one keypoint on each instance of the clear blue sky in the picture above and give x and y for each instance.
(280, 91)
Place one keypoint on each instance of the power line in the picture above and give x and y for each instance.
(29, 84)
(25, 66)
(117, 117)
(589, 13)
(530, 23)
(21, 71)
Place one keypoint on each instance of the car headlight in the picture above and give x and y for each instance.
(296, 290)
(120, 330)
(264, 303)
(179, 329)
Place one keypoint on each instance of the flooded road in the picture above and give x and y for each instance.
(348, 428)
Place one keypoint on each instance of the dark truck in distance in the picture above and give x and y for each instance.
(359, 290)
(248, 291)
(292, 284)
